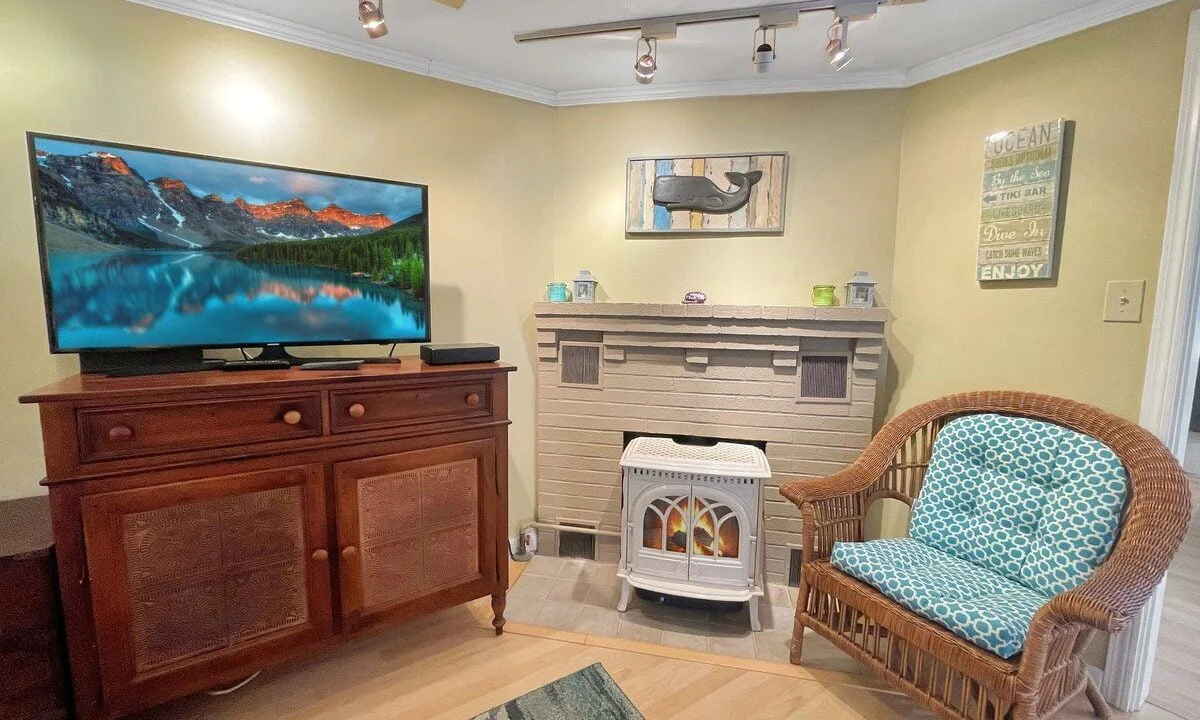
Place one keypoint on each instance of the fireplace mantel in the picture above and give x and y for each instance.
(800, 379)
(739, 312)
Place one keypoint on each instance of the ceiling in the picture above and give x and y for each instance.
(474, 46)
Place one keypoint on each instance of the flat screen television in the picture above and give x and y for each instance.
(147, 249)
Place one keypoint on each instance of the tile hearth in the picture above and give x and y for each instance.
(581, 596)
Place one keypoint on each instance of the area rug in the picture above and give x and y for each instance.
(589, 694)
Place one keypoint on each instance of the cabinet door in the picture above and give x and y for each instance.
(416, 530)
(196, 582)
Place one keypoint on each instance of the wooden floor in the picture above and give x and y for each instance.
(452, 667)
(1176, 682)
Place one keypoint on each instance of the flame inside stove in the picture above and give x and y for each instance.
(699, 527)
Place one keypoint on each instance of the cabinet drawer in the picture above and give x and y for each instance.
(108, 433)
(365, 409)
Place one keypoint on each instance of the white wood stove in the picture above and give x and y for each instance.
(691, 517)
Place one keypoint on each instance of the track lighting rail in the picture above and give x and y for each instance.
(711, 16)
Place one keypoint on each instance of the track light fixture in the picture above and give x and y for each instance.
(370, 15)
(838, 48)
(646, 64)
(770, 17)
(764, 52)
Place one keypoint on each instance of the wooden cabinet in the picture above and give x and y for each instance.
(205, 574)
(214, 524)
(414, 525)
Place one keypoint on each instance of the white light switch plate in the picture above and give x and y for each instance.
(1123, 301)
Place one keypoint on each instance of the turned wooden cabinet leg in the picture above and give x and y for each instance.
(498, 612)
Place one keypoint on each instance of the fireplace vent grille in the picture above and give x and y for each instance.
(824, 377)
(576, 544)
(795, 566)
(580, 364)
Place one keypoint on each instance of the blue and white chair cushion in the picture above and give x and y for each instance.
(1034, 505)
(974, 603)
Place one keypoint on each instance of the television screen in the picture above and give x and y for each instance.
(145, 248)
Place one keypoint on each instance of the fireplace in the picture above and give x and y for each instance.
(691, 518)
(798, 381)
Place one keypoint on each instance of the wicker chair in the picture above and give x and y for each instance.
(948, 675)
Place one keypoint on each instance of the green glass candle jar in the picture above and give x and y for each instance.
(556, 292)
(824, 295)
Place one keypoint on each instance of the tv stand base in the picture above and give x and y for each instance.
(280, 352)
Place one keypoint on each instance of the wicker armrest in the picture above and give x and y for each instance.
(871, 465)
(847, 482)
(832, 508)
(1155, 523)
(1106, 602)
(1110, 598)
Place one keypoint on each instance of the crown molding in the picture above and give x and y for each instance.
(215, 11)
(726, 88)
(221, 14)
(1097, 13)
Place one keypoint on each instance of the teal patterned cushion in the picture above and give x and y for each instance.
(976, 604)
(1035, 502)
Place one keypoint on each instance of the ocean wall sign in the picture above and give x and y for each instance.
(1022, 193)
(737, 193)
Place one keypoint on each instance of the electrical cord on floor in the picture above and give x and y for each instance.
(235, 688)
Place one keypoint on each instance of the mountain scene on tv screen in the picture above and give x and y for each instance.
(146, 248)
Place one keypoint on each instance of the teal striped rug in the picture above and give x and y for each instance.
(589, 694)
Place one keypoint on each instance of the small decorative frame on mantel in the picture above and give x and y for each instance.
(1022, 194)
(734, 193)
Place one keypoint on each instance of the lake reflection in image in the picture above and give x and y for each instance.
(165, 298)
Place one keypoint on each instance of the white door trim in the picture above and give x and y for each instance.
(1171, 364)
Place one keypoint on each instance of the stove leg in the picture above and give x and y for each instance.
(626, 594)
(755, 623)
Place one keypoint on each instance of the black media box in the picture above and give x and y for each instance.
(457, 354)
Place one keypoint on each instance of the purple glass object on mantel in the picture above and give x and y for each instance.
(695, 297)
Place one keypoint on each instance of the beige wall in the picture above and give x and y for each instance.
(1120, 83)
(841, 198)
(112, 70)
(885, 181)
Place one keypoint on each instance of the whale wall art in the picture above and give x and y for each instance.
(737, 193)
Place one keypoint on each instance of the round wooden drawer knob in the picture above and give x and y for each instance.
(357, 410)
(473, 399)
(292, 417)
(120, 433)
(349, 551)
(320, 555)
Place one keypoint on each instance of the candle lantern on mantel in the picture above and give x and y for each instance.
(860, 291)
(585, 287)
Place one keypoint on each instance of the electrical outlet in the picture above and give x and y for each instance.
(1123, 301)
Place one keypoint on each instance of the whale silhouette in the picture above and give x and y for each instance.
(677, 192)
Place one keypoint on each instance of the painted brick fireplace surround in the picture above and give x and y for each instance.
(801, 380)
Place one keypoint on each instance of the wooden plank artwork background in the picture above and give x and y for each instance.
(762, 213)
